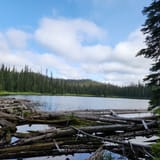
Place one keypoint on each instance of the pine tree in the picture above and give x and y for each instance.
(151, 29)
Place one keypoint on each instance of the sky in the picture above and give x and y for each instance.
(75, 39)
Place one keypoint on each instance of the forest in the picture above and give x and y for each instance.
(26, 80)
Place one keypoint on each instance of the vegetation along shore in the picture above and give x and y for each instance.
(28, 82)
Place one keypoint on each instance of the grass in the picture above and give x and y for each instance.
(5, 93)
(78, 122)
(156, 150)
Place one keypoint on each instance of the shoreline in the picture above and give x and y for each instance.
(66, 126)
(6, 93)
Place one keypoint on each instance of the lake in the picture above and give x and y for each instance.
(68, 103)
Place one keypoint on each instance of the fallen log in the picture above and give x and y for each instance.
(135, 119)
(8, 116)
(48, 148)
(6, 124)
(98, 155)
(101, 119)
(56, 141)
(108, 129)
(7, 129)
(107, 111)
(146, 149)
(49, 115)
(132, 134)
(64, 122)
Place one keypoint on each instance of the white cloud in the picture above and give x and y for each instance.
(123, 79)
(75, 49)
(51, 62)
(39, 63)
(128, 49)
(17, 38)
(96, 53)
(3, 43)
(66, 37)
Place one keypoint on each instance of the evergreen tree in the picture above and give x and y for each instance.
(151, 29)
(28, 81)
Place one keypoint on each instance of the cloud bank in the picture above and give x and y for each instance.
(75, 48)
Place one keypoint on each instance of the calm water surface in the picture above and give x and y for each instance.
(67, 103)
(63, 103)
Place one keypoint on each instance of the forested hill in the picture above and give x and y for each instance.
(27, 81)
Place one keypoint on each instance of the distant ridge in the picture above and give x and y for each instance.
(28, 81)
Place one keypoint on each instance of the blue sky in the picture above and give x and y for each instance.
(96, 39)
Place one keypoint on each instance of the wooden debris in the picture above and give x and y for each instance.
(98, 155)
(145, 125)
(72, 131)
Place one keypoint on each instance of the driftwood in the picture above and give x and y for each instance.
(98, 155)
(49, 150)
(108, 129)
(72, 131)
(108, 112)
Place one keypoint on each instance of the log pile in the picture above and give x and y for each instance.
(82, 131)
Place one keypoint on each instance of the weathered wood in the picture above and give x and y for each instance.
(113, 113)
(69, 132)
(98, 155)
(49, 115)
(8, 116)
(145, 125)
(64, 122)
(102, 119)
(44, 148)
(132, 134)
(135, 119)
(80, 137)
(6, 124)
(107, 111)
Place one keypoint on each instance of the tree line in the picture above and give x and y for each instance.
(28, 81)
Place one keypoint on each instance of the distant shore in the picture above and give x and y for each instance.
(6, 93)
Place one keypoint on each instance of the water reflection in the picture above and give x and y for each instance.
(59, 103)
(78, 156)
(35, 127)
(113, 156)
